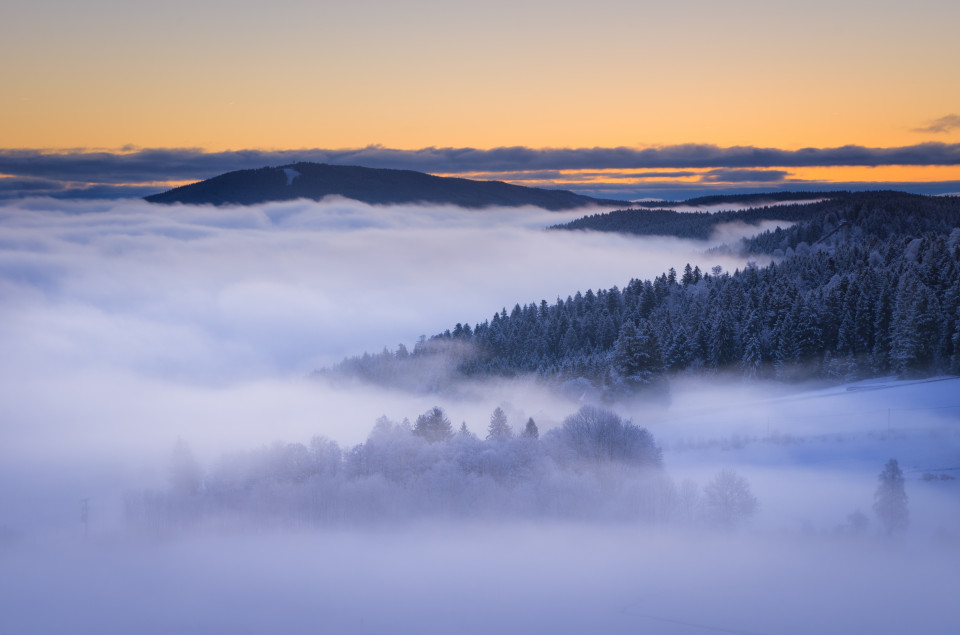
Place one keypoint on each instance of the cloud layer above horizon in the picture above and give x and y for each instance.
(685, 170)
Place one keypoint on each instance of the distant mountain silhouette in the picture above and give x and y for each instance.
(369, 185)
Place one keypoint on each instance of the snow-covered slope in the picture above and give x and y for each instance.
(813, 456)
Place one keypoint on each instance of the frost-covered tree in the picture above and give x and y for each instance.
(599, 435)
(752, 358)
(721, 346)
(727, 499)
(499, 428)
(464, 431)
(636, 355)
(680, 350)
(433, 426)
(890, 499)
(530, 431)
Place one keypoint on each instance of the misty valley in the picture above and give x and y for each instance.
(690, 421)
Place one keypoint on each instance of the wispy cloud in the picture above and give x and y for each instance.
(744, 176)
(941, 125)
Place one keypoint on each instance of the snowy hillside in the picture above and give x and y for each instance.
(813, 456)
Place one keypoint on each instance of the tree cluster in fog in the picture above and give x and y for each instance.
(594, 466)
(866, 285)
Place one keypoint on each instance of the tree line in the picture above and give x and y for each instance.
(867, 285)
(594, 465)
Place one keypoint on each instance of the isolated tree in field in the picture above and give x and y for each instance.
(530, 431)
(890, 499)
(499, 429)
(728, 500)
(433, 426)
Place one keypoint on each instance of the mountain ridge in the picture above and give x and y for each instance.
(377, 186)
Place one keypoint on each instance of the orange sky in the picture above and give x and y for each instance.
(218, 75)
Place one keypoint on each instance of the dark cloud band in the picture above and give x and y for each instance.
(182, 164)
(80, 172)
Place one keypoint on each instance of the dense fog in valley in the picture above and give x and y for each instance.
(127, 325)
(169, 464)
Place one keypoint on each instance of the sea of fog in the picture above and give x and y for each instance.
(125, 327)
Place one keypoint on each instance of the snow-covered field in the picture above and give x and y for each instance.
(813, 456)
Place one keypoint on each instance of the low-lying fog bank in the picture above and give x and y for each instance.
(505, 578)
(126, 329)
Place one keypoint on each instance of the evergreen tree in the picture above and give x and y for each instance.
(679, 353)
(433, 426)
(530, 430)
(721, 346)
(955, 360)
(752, 358)
(914, 328)
(499, 429)
(890, 499)
(809, 337)
(636, 355)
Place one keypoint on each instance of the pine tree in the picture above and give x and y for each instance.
(752, 358)
(809, 338)
(680, 352)
(914, 328)
(499, 429)
(433, 426)
(955, 339)
(890, 499)
(721, 348)
(530, 430)
(636, 355)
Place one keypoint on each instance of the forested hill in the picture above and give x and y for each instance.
(369, 185)
(755, 200)
(870, 285)
(700, 225)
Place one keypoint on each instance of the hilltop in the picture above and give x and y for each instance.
(369, 185)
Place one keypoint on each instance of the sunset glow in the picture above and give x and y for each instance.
(421, 74)
(430, 317)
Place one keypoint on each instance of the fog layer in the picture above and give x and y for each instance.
(123, 322)
(126, 326)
